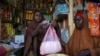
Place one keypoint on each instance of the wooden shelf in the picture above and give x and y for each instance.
(6, 21)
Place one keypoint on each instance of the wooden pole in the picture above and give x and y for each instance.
(70, 17)
(0, 28)
(24, 14)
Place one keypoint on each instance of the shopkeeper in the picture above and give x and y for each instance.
(81, 43)
(36, 31)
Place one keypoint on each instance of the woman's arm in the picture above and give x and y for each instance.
(30, 32)
(36, 30)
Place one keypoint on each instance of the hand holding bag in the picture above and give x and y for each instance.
(51, 43)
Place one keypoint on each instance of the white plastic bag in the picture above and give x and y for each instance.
(65, 35)
(51, 43)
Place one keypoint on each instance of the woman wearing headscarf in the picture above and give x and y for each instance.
(81, 43)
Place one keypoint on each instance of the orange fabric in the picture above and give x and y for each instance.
(93, 17)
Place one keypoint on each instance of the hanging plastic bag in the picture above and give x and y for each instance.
(65, 35)
(51, 43)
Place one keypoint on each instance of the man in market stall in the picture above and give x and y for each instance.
(35, 33)
(81, 43)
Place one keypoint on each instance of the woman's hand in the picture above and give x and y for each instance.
(45, 24)
(53, 23)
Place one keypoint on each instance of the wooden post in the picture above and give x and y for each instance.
(24, 14)
(0, 28)
(70, 17)
(0, 23)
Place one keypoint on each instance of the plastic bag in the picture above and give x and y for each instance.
(65, 35)
(51, 43)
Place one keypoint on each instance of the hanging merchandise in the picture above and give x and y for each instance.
(59, 10)
(79, 4)
(4, 34)
(48, 17)
(10, 29)
(65, 35)
(6, 13)
(29, 15)
(51, 43)
(12, 2)
(93, 17)
(15, 16)
(29, 6)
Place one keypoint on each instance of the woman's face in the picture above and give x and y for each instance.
(38, 17)
(79, 22)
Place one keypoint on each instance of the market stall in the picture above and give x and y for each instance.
(15, 15)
